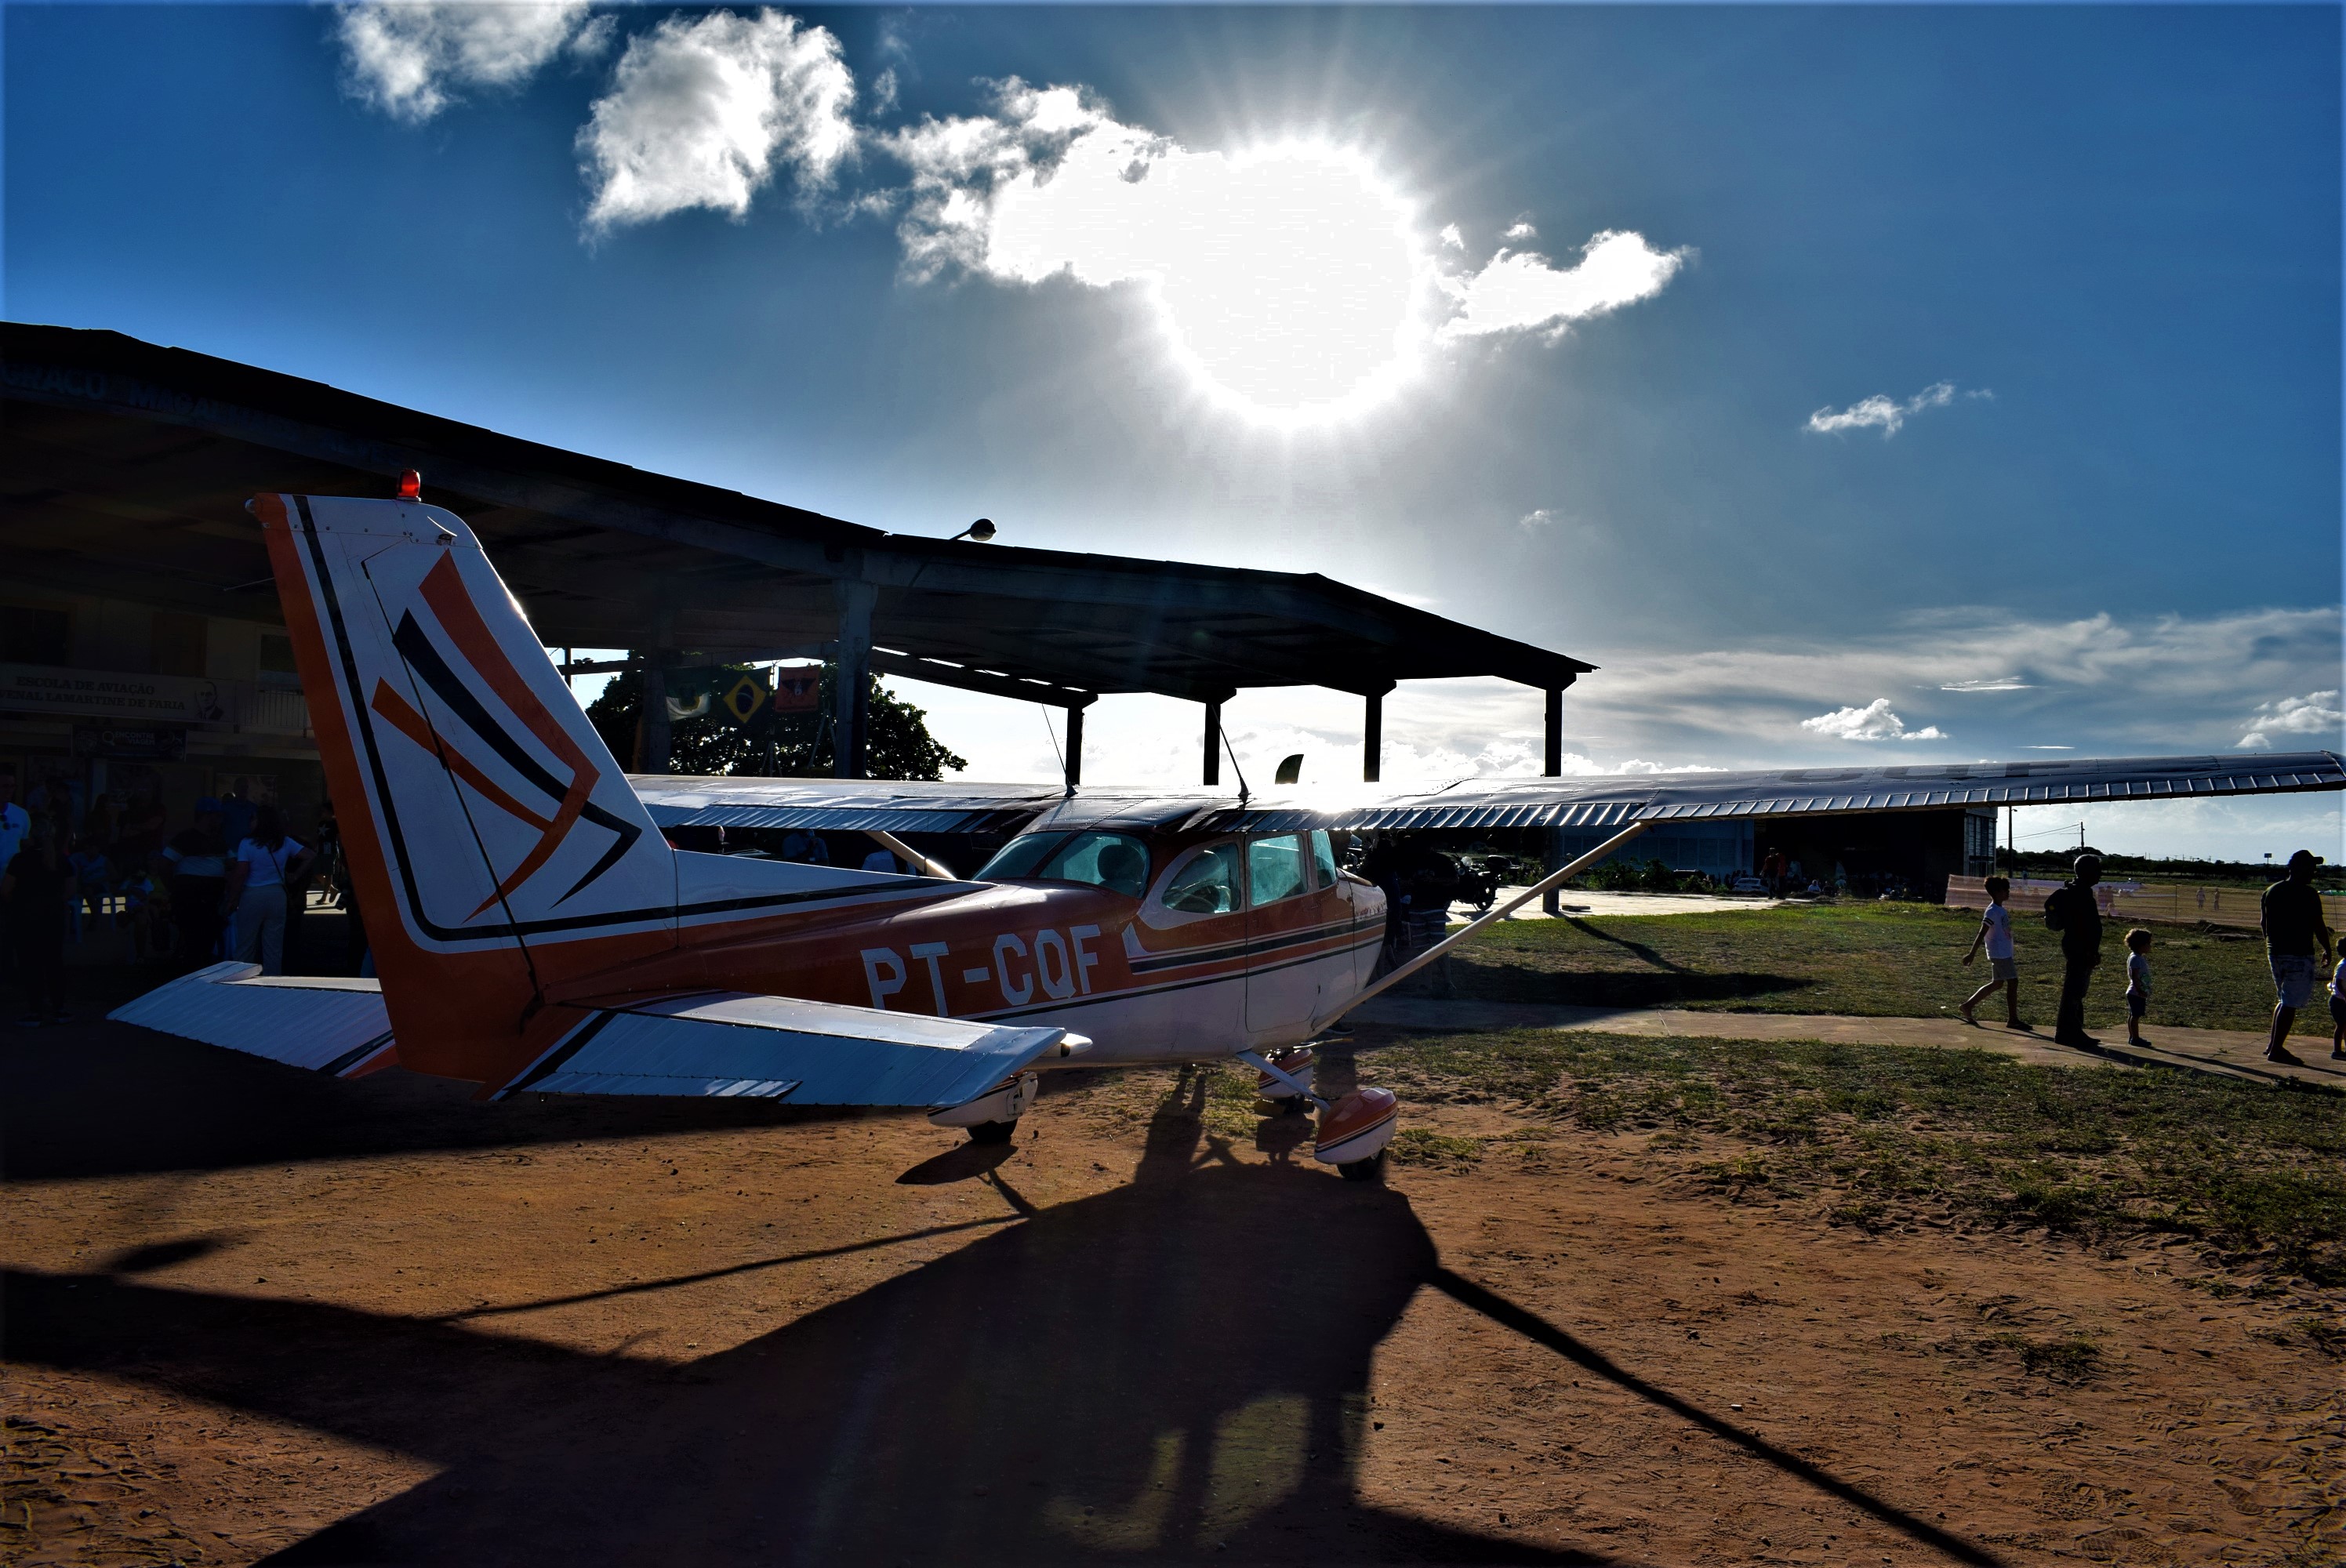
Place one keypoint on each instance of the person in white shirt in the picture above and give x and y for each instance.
(1995, 930)
(264, 863)
(2338, 1008)
(2137, 990)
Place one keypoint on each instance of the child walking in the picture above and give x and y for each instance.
(2137, 990)
(1995, 930)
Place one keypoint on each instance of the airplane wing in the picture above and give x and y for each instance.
(728, 1043)
(1617, 800)
(1612, 800)
(322, 1023)
(722, 1044)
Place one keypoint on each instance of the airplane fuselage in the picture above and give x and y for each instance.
(1225, 943)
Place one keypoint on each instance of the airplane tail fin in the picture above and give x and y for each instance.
(497, 848)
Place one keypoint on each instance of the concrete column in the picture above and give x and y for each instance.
(654, 715)
(1074, 747)
(1372, 740)
(851, 710)
(1552, 766)
(1213, 745)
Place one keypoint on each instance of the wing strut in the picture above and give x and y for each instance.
(1555, 878)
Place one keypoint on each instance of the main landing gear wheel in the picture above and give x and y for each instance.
(1354, 1131)
(993, 1132)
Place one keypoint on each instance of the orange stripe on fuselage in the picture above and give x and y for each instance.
(443, 590)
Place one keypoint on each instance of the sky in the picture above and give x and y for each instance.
(1850, 384)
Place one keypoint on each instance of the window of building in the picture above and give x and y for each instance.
(179, 640)
(35, 635)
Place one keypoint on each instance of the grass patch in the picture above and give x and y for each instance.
(1871, 960)
(1885, 1134)
(1442, 1151)
(2071, 1360)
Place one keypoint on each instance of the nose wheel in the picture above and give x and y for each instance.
(1353, 1131)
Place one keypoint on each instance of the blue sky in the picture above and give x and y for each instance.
(1942, 382)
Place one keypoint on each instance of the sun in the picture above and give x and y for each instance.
(1292, 282)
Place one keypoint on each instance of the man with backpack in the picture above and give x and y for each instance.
(2070, 910)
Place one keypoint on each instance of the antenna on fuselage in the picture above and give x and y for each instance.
(1234, 765)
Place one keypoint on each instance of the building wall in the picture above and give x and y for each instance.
(1720, 848)
(258, 740)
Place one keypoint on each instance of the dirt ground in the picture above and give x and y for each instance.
(258, 1315)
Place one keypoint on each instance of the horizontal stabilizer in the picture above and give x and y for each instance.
(728, 1044)
(321, 1024)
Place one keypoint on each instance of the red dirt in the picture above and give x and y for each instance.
(253, 1312)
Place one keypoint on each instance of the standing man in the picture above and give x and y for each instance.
(2293, 919)
(2070, 910)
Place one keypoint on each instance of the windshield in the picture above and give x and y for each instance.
(1116, 861)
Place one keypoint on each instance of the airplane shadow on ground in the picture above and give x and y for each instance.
(104, 1099)
(1174, 1369)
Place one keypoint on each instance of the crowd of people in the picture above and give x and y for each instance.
(228, 884)
(2291, 914)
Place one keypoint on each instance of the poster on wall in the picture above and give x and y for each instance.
(111, 694)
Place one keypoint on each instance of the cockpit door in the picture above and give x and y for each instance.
(1285, 932)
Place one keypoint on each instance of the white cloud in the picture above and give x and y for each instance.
(702, 109)
(1521, 230)
(1290, 279)
(2314, 715)
(1523, 292)
(1887, 414)
(1452, 237)
(1532, 522)
(1874, 721)
(1998, 682)
(409, 57)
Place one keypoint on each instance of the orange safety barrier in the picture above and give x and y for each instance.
(2172, 903)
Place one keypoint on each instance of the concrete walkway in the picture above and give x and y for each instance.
(2231, 1053)
(1581, 902)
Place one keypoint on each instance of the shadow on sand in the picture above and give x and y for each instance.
(1176, 1370)
(105, 1099)
(1171, 1370)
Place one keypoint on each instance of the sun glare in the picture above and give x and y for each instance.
(1292, 281)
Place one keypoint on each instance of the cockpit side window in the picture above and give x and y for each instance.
(1116, 861)
(1206, 883)
(1275, 868)
(1324, 856)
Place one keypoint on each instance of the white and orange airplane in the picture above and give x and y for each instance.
(533, 930)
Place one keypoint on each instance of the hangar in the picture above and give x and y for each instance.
(142, 633)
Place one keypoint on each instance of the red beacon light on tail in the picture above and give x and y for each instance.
(410, 485)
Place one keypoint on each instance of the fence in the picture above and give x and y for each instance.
(2174, 903)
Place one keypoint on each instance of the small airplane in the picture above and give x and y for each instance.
(534, 930)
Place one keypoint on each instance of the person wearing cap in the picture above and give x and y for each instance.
(194, 865)
(2294, 923)
(2070, 910)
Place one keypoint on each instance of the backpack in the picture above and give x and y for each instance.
(2056, 908)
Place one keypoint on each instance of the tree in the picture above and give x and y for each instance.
(900, 747)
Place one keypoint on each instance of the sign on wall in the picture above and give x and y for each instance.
(109, 694)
